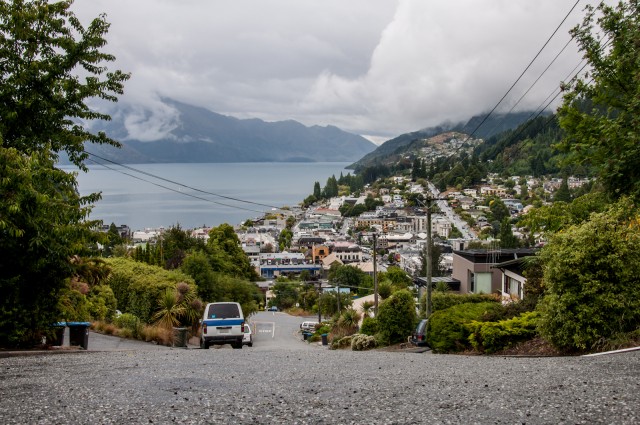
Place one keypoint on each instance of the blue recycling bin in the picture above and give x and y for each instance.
(79, 334)
(58, 334)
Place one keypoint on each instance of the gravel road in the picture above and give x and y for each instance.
(316, 386)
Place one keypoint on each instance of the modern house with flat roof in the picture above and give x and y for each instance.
(476, 271)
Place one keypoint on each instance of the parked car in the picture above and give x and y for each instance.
(273, 308)
(419, 335)
(223, 323)
(248, 336)
(308, 326)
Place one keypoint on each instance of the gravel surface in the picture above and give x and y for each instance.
(316, 386)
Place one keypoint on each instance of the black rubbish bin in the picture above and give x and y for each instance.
(58, 334)
(325, 340)
(306, 335)
(180, 337)
(79, 334)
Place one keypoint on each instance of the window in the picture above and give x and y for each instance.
(482, 283)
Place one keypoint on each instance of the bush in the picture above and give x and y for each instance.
(369, 326)
(494, 336)
(396, 317)
(137, 286)
(343, 342)
(591, 278)
(446, 330)
(130, 326)
(442, 301)
(361, 342)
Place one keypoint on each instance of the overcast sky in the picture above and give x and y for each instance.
(378, 68)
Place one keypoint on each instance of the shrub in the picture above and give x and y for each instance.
(591, 277)
(494, 336)
(369, 326)
(396, 317)
(157, 334)
(442, 301)
(343, 342)
(361, 342)
(130, 324)
(446, 331)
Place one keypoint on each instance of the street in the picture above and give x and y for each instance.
(284, 380)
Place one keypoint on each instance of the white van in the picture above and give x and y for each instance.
(223, 323)
(308, 326)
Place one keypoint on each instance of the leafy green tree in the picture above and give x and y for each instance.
(563, 194)
(226, 254)
(317, 192)
(591, 277)
(600, 110)
(396, 317)
(51, 67)
(347, 277)
(42, 225)
(507, 238)
(286, 294)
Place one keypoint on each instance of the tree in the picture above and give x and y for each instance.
(563, 194)
(397, 317)
(591, 278)
(45, 50)
(507, 238)
(600, 110)
(226, 254)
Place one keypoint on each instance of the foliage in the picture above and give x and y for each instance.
(447, 331)
(560, 215)
(347, 276)
(131, 322)
(591, 277)
(369, 326)
(46, 53)
(490, 337)
(396, 318)
(42, 225)
(102, 303)
(442, 301)
(385, 289)
(42, 100)
(507, 238)
(349, 320)
(340, 343)
(226, 254)
(600, 110)
(361, 342)
(138, 286)
(286, 294)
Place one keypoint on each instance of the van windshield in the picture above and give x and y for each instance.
(223, 311)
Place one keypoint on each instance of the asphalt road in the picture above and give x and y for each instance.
(274, 382)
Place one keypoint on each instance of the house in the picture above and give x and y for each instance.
(512, 279)
(476, 272)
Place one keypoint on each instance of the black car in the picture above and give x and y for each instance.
(419, 335)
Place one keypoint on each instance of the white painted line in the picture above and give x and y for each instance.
(624, 350)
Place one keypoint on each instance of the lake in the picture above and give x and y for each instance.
(195, 195)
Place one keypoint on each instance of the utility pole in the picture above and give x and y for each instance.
(428, 260)
(375, 278)
(338, 288)
(319, 293)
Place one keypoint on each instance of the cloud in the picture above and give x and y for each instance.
(375, 67)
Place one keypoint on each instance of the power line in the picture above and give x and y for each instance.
(523, 72)
(170, 188)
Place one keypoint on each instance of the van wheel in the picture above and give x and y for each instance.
(204, 344)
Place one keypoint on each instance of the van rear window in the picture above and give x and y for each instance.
(223, 311)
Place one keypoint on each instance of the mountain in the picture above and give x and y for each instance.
(195, 134)
(390, 150)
